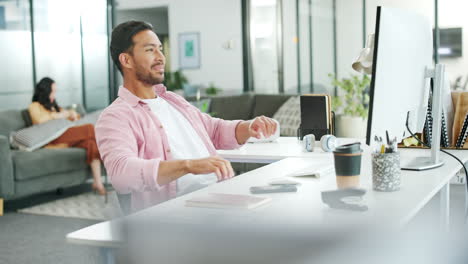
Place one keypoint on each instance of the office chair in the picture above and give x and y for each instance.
(465, 85)
(457, 83)
(125, 203)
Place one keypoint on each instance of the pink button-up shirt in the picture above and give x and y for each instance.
(132, 142)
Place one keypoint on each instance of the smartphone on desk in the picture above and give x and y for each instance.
(273, 189)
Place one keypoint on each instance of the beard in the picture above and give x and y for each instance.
(147, 76)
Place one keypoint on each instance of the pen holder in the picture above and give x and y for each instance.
(386, 171)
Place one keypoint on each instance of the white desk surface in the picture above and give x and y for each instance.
(303, 208)
(283, 147)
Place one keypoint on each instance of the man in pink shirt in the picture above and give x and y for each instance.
(154, 144)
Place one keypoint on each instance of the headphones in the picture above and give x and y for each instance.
(328, 142)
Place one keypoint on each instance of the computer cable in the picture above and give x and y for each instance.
(450, 154)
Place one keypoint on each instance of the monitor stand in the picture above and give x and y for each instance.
(420, 164)
(434, 161)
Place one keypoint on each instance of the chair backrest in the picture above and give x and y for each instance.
(11, 120)
(465, 85)
(125, 202)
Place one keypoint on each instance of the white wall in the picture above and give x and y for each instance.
(217, 21)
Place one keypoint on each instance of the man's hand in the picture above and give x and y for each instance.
(72, 115)
(221, 167)
(257, 127)
(173, 169)
(262, 125)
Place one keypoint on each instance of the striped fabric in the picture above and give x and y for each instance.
(289, 117)
(34, 137)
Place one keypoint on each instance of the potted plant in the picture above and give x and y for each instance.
(175, 80)
(352, 106)
(212, 90)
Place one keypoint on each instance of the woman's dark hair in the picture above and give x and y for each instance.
(42, 94)
(121, 40)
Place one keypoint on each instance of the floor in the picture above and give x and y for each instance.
(39, 239)
(26, 238)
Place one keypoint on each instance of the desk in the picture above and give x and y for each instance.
(301, 209)
(283, 147)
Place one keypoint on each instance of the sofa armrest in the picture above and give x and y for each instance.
(6, 169)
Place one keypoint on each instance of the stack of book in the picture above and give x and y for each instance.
(224, 200)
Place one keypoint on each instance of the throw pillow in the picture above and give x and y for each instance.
(289, 116)
(34, 137)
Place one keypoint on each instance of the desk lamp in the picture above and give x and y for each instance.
(363, 63)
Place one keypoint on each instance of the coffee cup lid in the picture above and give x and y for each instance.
(349, 148)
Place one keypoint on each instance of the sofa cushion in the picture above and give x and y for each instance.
(42, 162)
(268, 104)
(10, 120)
(289, 117)
(34, 137)
(50, 182)
(232, 107)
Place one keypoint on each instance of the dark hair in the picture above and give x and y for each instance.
(42, 94)
(121, 40)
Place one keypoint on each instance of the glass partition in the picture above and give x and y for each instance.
(322, 37)
(95, 54)
(264, 45)
(323, 45)
(16, 75)
(58, 47)
(305, 36)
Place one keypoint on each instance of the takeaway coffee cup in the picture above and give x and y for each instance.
(348, 165)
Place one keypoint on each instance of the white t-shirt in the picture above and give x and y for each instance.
(184, 143)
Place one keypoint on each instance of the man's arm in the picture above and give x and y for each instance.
(257, 127)
(174, 169)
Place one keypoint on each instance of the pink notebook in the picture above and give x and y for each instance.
(224, 200)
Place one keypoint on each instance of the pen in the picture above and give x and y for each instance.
(394, 145)
(378, 143)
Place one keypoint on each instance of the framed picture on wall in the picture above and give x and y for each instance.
(189, 50)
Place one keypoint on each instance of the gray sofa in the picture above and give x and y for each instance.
(245, 106)
(26, 173)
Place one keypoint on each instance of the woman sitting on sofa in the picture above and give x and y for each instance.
(45, 108)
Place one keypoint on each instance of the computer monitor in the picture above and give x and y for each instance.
(403, 55)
